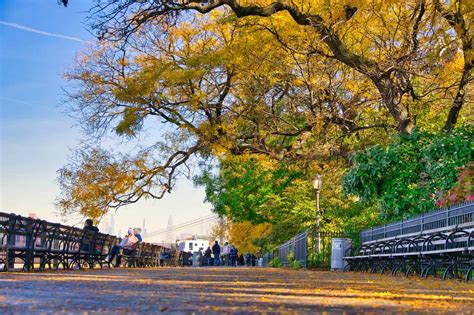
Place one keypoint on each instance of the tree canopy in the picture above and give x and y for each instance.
(272, 91)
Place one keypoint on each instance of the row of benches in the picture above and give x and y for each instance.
(438, 243)
(35, 244)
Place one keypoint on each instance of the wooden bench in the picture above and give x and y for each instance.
(37, 245)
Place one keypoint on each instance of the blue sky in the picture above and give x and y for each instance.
(38, 42)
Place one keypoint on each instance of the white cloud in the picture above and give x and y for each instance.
(34, 30)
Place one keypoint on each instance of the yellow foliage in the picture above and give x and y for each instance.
(243, 234)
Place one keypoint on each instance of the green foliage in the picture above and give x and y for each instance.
(254, 189)
(408, 175)
(292, 262)
(247, 187)
(291, 257)
(296, 264)
(316, 260)
(275, 263)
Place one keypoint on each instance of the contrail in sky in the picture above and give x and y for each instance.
(33, 30)
(16, 101)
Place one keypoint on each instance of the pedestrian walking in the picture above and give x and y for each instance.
(241, 261)
(207, 255)
(216, 250)
(233, 255)
(225, 254)
(248, 259)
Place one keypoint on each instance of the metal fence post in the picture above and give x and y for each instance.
(447, 216)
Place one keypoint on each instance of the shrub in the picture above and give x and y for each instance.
(291, 257)
(275, 262)
(296, 265)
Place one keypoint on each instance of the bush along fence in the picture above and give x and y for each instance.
(33, 244)
(438, 243)
(294, 252)
(302, 250)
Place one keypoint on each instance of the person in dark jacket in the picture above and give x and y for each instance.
(89, 235)
(216, 250)
(233, 255)
(241, 261)
(248, 259)
(89, 226)
(207, 255)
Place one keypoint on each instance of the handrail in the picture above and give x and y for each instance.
(439, 218)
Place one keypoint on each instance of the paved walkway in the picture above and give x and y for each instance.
(228, 290)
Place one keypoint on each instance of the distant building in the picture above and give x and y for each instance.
(193, 245)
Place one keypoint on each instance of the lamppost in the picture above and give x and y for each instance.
(317, 183)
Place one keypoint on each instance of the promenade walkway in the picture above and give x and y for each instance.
(227, 290)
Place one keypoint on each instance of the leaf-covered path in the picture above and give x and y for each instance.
(228, 290)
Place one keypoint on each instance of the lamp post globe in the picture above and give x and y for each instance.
(317, 182)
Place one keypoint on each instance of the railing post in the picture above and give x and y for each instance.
(447, 217)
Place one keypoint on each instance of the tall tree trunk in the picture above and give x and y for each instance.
(457, 21)
(466, 77)
(392, 96)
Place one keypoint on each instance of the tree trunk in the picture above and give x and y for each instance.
(391, 96)
(457, 21)
(466, 77)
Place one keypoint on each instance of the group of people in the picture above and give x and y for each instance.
(228, 255)
(127, 245)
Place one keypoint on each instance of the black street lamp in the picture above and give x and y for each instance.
(317, 183)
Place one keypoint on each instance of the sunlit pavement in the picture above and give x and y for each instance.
(228, 290)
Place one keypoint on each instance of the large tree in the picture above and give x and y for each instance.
(300, 81)
(381, 40)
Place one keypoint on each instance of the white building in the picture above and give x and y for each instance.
(191, 246)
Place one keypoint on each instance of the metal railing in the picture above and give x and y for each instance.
(266, 258)
(298, 245)
(441, 218)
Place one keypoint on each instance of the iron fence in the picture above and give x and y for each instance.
(297, 247)
(322, 259)
(454, 215)
(303, 248)
(267, 258)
